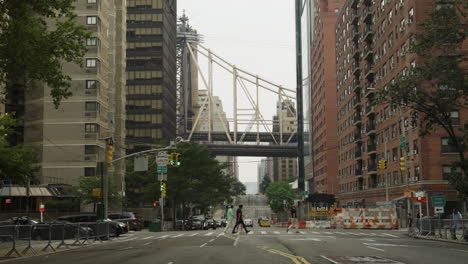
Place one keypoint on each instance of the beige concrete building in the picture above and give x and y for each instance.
(284, 169)
(217, 125)
(69, 139)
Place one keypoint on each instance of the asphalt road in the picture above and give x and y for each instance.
(263, 245)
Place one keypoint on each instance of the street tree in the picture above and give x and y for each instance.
(36, 39)
(84, 191)
(280, 195)
(238, 188)
(264, 184)
(142, 187)
(17, 163)
(437, 85)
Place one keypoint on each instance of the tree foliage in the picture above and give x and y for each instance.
(36, 38)
(438, 84)
(264, 184)
(142, 188)
(277, 193)
(17, 163)
(238, 188)
(84, 191)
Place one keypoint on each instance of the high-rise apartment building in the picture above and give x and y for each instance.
(284, 169)
(151, 73)
(218, 123)
(323, 97)
(69, 139)
(373, 40)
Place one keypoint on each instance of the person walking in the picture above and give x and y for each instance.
(229, 217)
(239, 220)
(294, 222)
(456, 216)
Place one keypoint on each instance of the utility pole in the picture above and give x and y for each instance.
(300, 112)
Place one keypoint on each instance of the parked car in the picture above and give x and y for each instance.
(248, 222)
(59, 230)
(197, 222)
(210, 223)
(129, 218)
(221, 223)
(117, 228)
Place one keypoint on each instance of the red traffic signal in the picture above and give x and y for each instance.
(155, 204)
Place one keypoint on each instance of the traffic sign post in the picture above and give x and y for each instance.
(42, 210)
(438, 201)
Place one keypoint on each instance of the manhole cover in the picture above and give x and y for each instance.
(359, 259)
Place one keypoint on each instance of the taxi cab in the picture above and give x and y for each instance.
(264, 222)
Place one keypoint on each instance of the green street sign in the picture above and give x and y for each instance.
(162, 169)
(438, 201)
(403, 140)
(306, 193)
(403, 144)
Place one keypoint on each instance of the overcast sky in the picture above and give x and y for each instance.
(256, 35)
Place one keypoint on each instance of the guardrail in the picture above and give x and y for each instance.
(445, 229)
(21, 239)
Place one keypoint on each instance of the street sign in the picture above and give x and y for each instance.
(96, 192)
(439, 210)
(41, 208)
(305, 193)
(438, 201)
(162, 158)
(403, 139)
(162, 169)
(162, 177)
(140, 164)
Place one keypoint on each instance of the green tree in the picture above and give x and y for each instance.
(438, 84)
(264, 185)
(200, 180)
(277, 193)
(36, 39)
(237, 188)
(142, 188)
(84, 191)
(17, 163)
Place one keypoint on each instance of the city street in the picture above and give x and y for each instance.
(262, 245)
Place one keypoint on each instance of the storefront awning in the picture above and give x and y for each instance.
(19, 191)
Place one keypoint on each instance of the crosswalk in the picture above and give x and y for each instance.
(297, 233)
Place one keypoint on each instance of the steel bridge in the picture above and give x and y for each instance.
(247, 132)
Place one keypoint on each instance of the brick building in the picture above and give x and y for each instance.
(373, 39)
(323, 97)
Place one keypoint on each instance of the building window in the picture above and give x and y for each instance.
(91, 41)
(91, 106)
(416, 173)
(448, 170)
(91, 1)
(415, 147)
(402, 25)
(394, 154)
(91, 128)
(91, 63)
(447, 146)
(395, 178)
(91, 20)
(455, 118)
(89, 172)
(91, 84)
(90, 150)
(411, 16)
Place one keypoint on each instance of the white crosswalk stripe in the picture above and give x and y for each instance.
(302, 232)
(194, 234)
(390, 235)
(179, 235)
(209, 234)
(276, 232)
(148, 237)
(263, 232)
(313, 232)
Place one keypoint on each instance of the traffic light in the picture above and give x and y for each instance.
(172, 159)
(164, 192)
(163, 189)
(402, 164)
(110, 155)
(382, 164)
(177, 160)
(155, 204)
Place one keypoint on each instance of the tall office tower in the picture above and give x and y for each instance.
(373, 40)
(284, 169)
(323, 97)
(69, 139)
(151, 73)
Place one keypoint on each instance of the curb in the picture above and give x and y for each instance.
(442, 240)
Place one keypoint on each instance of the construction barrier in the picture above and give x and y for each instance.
(365, 218)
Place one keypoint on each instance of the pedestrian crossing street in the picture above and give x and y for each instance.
(291, 233)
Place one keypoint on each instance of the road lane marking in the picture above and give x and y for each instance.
(236, 241)
(179, 235)
(460, 250)
(375, 248)
(203, 245)
(387, 245)
(328, 233)
(368, 239)
(163, 237)
(342, 233)
(194, 234)
(209, 234)
(148, 237)
(307, 239)
(390, 235)
(294, 258)
(147, 243)
(220, 234)
(211, 240)
(302, 232)
(250, 233)
(126, 248)
(331, 260)
(263, 232)
(313, 232)
(276, 232)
